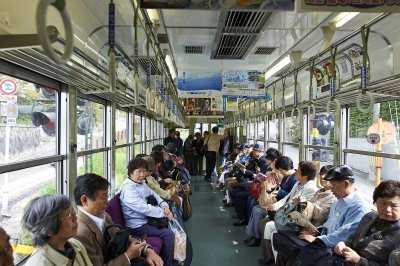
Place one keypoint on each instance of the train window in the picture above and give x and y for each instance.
(291, 130)
(92, 163)
(250, 135)
(120, 166)
(273, 130)
(149, 134)
(370, 170)
(272, 145)
(360, 124)
(28, 120)
(292, 152)
(90, 125)
(121, 122)
(138, 134)
(260, 131)
(321, 129)
(24, 185)
(320, 157)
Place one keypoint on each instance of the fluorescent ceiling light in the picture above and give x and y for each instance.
(168, 60)
(345, 17)
(153, 15)
(281, 64)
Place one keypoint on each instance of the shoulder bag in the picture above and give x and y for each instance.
(118, 243)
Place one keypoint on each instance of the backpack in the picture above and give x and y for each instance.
(118, 243)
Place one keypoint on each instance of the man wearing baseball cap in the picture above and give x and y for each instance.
(345, 214)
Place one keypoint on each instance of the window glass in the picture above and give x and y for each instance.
(24, 185)
(321, 128)
(260, 130)
(143, 132)
(293, 153)
(365, 170)
(292, 129)
(90, 123)
(273, 129)
(92, 163)
(121, 119)
(197, 128)
(155, 129)
(320, 157)
(272, 145)
(251, 130)
(138, 129)
(120, 166)
(28, 120)
(360, 123)
(149, 134)
(204, 128)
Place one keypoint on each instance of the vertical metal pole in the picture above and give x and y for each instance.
(301, 135)
(69, 134)
(337, 137)
(379, 159)
(4, 202)
(111, 142)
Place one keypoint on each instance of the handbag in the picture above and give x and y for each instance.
(118, 243)
(283, 221)
(204, 149)
(186, 203)
(266, 198)
(154, 221)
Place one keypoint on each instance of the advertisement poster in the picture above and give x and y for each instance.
(250, 5)
(199, 84)
(203, 106)
(231, 105)
(243, 84)
(376, 6)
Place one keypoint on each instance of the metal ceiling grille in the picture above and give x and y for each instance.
(265, 50)
(237, 33)
(193, 49)
(143, 64)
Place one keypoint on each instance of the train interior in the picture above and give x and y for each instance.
(88, 85)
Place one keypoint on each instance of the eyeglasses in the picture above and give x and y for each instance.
(385, 204)
(72, 214)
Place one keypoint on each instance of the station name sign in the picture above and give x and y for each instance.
(372, 6)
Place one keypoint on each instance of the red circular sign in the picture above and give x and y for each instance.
(8, 87)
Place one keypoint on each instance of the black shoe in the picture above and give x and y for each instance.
(240, 222)
(234, 216)
(255, 242)
(208, 180)
(247, 240)
(266, 261)
(229, 204)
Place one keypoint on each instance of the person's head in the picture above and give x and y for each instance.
(272, 155)
(50, 218)
(341, 179)
(197, 135)
(387, 199)
(214, 130)
(206, 133)
(322, 172)
(171, 147)
(140, 155)
(151, 164)
(177, 134)
(91, 193)
(306, 172)
(137, 169)
(171, 133)
(158, 157)
(258, 150)
(190, 137)
(284, 165)
(6, 250)
(236, 148)
(158, 147)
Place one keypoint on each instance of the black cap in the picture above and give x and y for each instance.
(339, 173)
(258, 147)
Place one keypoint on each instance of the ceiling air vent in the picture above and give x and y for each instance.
(162, 37)
(264, 50)
(193, 49)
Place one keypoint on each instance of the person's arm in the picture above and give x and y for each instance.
(155, 186)
(351, 220)
(131, 202)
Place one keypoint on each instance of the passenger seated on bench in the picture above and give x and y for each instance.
(6, 250)
(135, 208)
(344, 216)
(91, 197)
(52, 221)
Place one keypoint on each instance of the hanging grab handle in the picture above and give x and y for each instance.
(41, 12)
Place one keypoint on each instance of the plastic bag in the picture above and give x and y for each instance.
(180, 241)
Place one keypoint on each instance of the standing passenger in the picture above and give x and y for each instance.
(198, 158)
(212, 141)
(179, 143)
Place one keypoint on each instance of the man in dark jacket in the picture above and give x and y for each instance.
(170, 138)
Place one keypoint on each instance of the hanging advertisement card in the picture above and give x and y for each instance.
(365, 6)
(199, 84)
(243, 84)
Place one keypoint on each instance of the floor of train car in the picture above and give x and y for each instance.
(214, 238)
